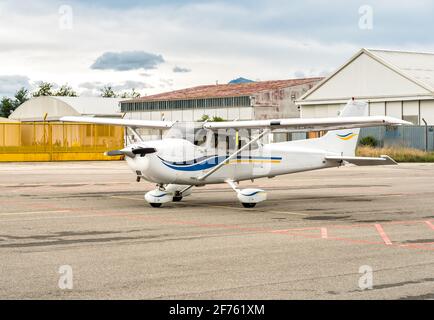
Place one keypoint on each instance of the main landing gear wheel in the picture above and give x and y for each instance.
(177, 198)
(248, 205)
(155, 205)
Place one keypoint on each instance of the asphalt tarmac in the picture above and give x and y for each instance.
(341, 233)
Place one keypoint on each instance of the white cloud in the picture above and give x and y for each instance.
(9, 84)
(218, 40)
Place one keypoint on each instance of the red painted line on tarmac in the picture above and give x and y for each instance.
(289, 232)
(383, 234)
(430, 224)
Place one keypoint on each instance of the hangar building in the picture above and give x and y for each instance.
(55, 107)
(395, 83)
(37, 135)
(242, 101)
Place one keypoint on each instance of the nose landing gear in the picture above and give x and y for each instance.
(167, 193)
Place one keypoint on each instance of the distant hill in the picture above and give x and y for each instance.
(240, 80)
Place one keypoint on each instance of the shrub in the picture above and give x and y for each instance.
(399, 154)
(368, 141)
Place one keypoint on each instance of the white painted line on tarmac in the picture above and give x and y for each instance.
(48, 218)
(255, 210)
(32, 212)
(127, 198)
(225, 207)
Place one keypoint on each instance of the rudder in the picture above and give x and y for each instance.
(344, 142)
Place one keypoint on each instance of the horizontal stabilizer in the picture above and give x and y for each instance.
(364, 161)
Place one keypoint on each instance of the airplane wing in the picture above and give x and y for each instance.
(121, 122)
(309, 124)
(364, 161)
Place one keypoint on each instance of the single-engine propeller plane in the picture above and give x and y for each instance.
(197, 154)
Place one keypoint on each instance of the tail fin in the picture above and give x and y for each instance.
(344, 142)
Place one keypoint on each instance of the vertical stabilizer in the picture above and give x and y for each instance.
(344, 142)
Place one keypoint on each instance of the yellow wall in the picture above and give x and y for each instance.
(55, 141)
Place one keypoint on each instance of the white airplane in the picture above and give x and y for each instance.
(197, 154)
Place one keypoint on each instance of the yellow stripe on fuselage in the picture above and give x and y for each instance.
(253, 161)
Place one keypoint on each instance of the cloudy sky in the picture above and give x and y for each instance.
(156, 46)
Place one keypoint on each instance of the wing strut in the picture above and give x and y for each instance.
(233, 155)
(135, 133)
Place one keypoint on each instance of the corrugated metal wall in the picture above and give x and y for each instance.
(405, 136)
(51, 141)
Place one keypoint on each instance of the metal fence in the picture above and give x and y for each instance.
(416, 137)
(55, 141)
(402, 136)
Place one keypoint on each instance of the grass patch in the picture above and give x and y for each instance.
(399, 154)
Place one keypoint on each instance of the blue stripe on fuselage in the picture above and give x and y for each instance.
(204, 163)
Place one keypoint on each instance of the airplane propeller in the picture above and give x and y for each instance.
(131, 153)
(144, 151)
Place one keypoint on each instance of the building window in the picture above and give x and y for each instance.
(205, 103)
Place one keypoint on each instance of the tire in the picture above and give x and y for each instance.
(248, 205)
(155, 205)
(177, 198)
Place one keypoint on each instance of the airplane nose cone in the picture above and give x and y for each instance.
(138, 163)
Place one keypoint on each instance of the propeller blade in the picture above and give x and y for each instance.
(144, 151)
(114, 153)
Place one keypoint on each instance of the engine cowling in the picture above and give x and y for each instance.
(252, 195)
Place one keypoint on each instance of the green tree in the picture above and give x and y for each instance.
(217, 119)
(21, 96)
(204, 118)
(44, 89)
(132, 94)
(7, 106)
(107, 92)
(66, 91)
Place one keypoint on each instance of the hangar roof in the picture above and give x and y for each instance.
(92, 105)
(418, 65)
(377, 73)
(225, 90)
(56, 107)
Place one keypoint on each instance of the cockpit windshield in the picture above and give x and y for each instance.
(190, 131)
(225, 140)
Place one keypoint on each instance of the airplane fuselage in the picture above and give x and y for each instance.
(179, 161)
